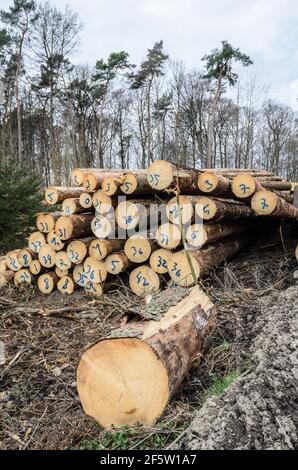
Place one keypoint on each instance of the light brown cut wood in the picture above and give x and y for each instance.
(62, 261)
(45, 222)
(25, 257)
(181, 212)
(202, 260)
(95, 270)
(23, 276)
(100, 249)
(57, 194)
(86, 200)
(143, 281)
(244, 186)
(54, 241)
(66, 285)
(213, 183)
(12, 260)
(138, 248)
(136, 183)
(61, 273)
(118, 262)
(47, 282)
(35, 267)
(296, 253)
(103, 227)
(136, 212)
(72, 206)
(3, 264)
(102, 202)
(163, 175)
(158, 261)
(95, 290)
(78, 174)
(74, 226)
(168, 236)
(93, 181)
(77, 250)
(130, 377)
(47, 256)
(35, 241)
(267, 203)
(198, 235)
(6, 277)
(216, 209)
(79, 275)
(111, 185)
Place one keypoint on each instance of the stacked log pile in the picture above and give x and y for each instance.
(100, 226)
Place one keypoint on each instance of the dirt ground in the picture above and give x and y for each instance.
(242, 394)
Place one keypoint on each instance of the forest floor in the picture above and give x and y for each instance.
(243, 387)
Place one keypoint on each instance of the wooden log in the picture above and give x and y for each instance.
(74, 226)
(95, 290)
(6, 277)
(103, 227)
(78, 174)
(143, 281)
(186, 267)
(35, 267)
(66, 285)
(3, 264)
(198, 235)
(163, 175)
(213, 183)
(158, 261)
(182, 211)
(72, 206)
(25, 257)
(55, 241)
(296, 253)
(47, 256)
(136, 183)
(102, 202)
(45, 222)
(267, 203)
(77, 250)
(138, 248)
(23, 277)
(95, 270)
(132, 213)
(215, 209)
(129, 377)
(86, 200)
(57, 194)
(93, 181)
(47, 282)
(168, 236)
(79, 275)
(62, 261)
(244, 186)
(61, 273)
(111, 185)
(35, 241)
(13, 263)
(117, 263)
(100, 249)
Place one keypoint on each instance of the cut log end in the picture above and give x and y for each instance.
(101, 227)
(79, 275)
(24, 257)
(77, 251)
(205, 208)
(137, 249)
(110, 185)
(91, 182)
(264, 202)
(130, 184)
(47, 282)
(243, 186)
(207, 182)
(95, 270)
(159, 260)
(127, 215)
(109, 390)
(168, 236)
(35, 241)
(62, 261)
(13, 263)
(47, 256)
(143, 281)
(66, 285)
(86, 200)
(116, 263)
(95, 290)
(23, 277)
(51, 195)
(45, 222)
(102, 202)
(182, 212)
(54, 241)
(160, 175)
(179, 268)
(196, 236)
(35, 267)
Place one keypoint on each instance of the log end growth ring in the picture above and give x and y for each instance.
(264, 202)
(114, 386)
(243, 185)
(160, 175)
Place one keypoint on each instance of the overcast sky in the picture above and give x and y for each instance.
(267, 30)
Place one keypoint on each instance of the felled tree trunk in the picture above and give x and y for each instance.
(131, 376)
(267, 203)
(56, 194)
(215, 209)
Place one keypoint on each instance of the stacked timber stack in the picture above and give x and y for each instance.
(198, 218)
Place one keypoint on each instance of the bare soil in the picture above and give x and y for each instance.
(44, 338)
